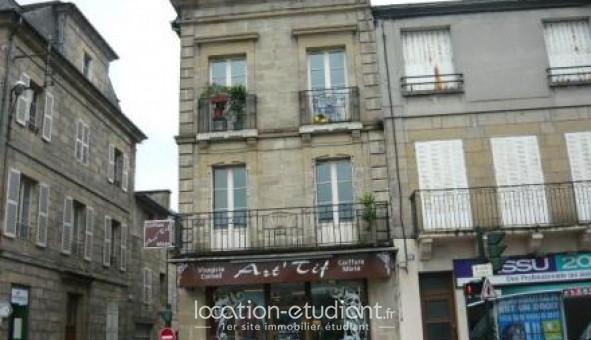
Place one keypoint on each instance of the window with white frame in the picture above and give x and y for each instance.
(115, 243)
(78, 219)
(118, 170)
(147, 286)
(329, 97)
(31, 104)
(230, 197)
(334, 190)
(568, 44)
(82, 148)
(428, 62)
(228, 71)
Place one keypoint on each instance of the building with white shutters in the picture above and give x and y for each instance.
(487, 112)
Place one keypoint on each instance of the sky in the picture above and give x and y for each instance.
(146, 78)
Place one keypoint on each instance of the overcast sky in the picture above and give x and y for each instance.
(146, 78)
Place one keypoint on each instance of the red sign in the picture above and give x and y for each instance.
(158, 234)
(167, 334)
(344, 267)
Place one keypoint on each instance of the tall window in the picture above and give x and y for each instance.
(30, 104)
(115, 243)
(87, 65)
(428, 62)
(329, 97)
(334, 190)
(27, 205)
(147, 286)
(118, 171)
(229, 71)
(82, 147)
(437, 305)
(569, 50)
(230, 190)
(579, 155)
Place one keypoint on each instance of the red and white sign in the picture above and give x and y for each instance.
(158, 234)
(167, 334)
(488, 291)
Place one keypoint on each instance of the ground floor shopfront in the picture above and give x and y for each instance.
(309, 297)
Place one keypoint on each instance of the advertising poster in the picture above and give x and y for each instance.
(531, 317)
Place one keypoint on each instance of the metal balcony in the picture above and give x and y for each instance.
(520, 206)
(334, 105)
(572, 75)
(285, 229)
(432, 84)
(220, 116)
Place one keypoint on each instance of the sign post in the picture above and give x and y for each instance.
(167, 334)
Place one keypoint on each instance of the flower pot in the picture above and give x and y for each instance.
(219, 124)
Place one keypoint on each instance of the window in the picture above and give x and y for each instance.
(118, 171)
(437, 305)
(579, 155)
(115, 243)
(68, 226)
(428, 62)
(29, 104)
(229, 71)
(147, 287)
(441, 166)
(82, 142)
(230, 197)
(327, 69)
(87, 65)
(108, 240)
(518, 171)
(88, 234)
(569, 51)
(334, 190)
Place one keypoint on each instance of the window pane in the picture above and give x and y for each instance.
(345, 192)
(440, 331)
(238, 67)
(337, 69)
(317, 80)
(437, 309)
(239, 174)
(220, 200)
(220, 178)
(324, 193)
(239, 199)
(344, 170)
(323, 172)
(218, 72)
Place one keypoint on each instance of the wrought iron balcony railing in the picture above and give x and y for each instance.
(520, 206)
(434, 83)
(294, 229)
(334, 105)
(571, 75)
(221, 113)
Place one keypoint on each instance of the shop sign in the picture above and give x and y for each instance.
(524, 269)
(577, 292)
(158, 234)
(330, 268)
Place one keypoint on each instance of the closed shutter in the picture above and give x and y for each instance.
(107, 242)
(445, 201)
(79, 136)
(147, 292)
(112, 321)
(68, 226)
(12, 196)
(111, 168)
(579, 154)
(124, 231)
(43, 219)
(518, 171)
(48, 116)
(125, 179)
(569, 49)
(23, 104)
(86, 144)
(89, 233)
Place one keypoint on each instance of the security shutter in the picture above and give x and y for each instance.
(108, 234)
(124, 231)
(88, 235)
(579, 154)
(12, 196)
(518, 171)
(111, 169)
(48, 116)
(445, 201)
(23, 103)
(43, 219)
(68, 225)
(125, 177)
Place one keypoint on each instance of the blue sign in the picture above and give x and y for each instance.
(531, 317)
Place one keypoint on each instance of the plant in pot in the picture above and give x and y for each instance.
(238, 105)
(219, 98)
(320, 118)
(369, 214)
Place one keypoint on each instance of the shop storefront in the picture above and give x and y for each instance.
(295, 299)
(539, 298)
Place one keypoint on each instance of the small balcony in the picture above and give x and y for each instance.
(224, 114)
(285, 229)
(572, 75)
(513, 207)
(329, 106)
(432, 84)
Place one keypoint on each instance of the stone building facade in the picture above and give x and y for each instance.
(488, 124)
(68, 252)
(273, 162)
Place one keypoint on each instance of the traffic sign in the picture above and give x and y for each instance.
(488, 291)
(167, 334)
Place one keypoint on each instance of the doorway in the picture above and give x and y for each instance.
(72, 316)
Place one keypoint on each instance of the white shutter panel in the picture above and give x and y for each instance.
(125, 179)
(569, 45)
(111, 169)
(518, 171)
(442, 174)
(86, 144)
(43, 219)
(88, 235)
(68, 226)
(579, 154)
(48, 116)
(78, 148)
(107, 242)
(147, 286)
(23, 103)
(12, 197)
(124, 231)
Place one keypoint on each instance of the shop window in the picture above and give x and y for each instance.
(437, 304)
(533, 316)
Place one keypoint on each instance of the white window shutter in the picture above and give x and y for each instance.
(88, 235)
(48, 116)
(125, 179)
(68, 226)
(111, 169)
(23, 103)
(147, 286)
(12, 197)
(124, 231)
(86, 144)
(579, 154)
(43, 219)
(107, 242)
(78, 148)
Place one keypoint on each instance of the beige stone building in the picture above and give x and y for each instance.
(488, 124)
(273, 162)
(71, 262)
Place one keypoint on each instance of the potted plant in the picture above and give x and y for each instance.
(320, 118)
(219, 98)
(238, 105)
(369, 214)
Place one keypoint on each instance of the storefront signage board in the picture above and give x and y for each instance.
(158, 234)
(331, 268)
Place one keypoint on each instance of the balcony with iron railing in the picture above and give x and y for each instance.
(294, 229)
(432, 84)
(329, 106)
(570, 75)
(532, 206)
(222, 114)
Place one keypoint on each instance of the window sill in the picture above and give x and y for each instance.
(430, 92)
(228, 135)
(330, 127)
